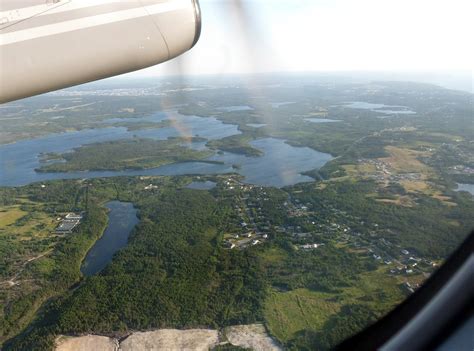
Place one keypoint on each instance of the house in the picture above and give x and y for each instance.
(150, 187)
(73, 216)
(229, 245)
(310, 246)
(405, 252)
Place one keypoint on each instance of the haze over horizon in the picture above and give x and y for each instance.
(426, 40)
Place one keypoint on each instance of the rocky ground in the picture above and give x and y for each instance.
(252, 336)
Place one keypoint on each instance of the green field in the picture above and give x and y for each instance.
(287, 314)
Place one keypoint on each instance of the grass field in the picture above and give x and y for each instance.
(9, 215)
(405, 161)
(273, 254)
(401, 161)
(287, 313)
(23, 235)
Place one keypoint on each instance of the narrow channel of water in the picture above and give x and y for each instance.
(122, 219)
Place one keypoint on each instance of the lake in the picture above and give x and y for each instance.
(235, 108)
(181, 126)
(122, 219)
(281, 164)
(19, 160)
(283, 103)
(380, 108)
(321, 120)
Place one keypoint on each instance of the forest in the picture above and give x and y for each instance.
(173, 273)
(124, 154)
(390, 187)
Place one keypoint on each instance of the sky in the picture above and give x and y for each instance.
(329, 35)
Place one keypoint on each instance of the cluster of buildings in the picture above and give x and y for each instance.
(253, 229)
(68, 223)
(461, 169)
(336, 224)
(306, 227)
(384, 173)
(150, 187)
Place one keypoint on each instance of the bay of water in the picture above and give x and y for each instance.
(122, 219)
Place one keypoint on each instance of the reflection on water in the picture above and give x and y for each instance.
(122, 220)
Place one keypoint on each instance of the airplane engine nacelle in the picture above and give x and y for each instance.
(54, 44)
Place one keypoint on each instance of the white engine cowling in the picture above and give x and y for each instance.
(54, 44)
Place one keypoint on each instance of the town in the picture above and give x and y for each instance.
(309, 230)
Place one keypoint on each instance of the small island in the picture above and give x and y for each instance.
(237, 144)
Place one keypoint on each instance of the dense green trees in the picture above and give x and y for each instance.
(325, 269)
(125, 154)
(171, 274)
(350, 320)
(417, 229)
(237, 144)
